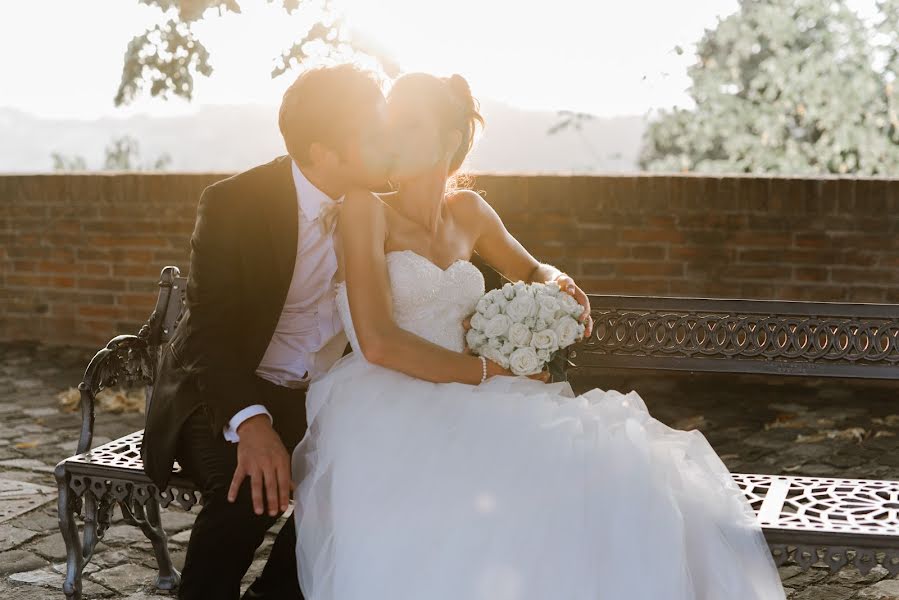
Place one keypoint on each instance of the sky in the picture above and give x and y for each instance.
(63, 58)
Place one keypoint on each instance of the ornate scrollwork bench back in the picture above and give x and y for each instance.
(96, 480)
(836, 516)
(826, 339)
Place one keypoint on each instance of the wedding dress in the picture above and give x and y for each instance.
(509, 490)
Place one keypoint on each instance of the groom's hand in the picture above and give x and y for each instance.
(262, 457)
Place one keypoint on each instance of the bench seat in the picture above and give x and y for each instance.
(828, 513)
(117, 468)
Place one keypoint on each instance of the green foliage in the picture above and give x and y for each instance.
(122, 154)
(62, 162)
(787, 86)
(164, 59)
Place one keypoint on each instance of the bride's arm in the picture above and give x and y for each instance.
(504, 253)
(362, 231)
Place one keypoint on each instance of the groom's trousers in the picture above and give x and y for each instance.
(226, 535)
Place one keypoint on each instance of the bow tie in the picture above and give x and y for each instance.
(327, 215)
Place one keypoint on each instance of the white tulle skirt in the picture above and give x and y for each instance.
(513, 490)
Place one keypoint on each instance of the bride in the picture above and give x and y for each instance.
(422, 479)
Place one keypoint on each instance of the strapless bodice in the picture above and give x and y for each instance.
(428, 301)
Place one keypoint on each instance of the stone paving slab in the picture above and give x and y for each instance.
(18, 497)
(762, 424)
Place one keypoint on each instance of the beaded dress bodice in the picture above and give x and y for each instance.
(428, 301)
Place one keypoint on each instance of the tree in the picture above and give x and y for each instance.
(166, 57)
(62, 162)
(122, 154)
(787, 86)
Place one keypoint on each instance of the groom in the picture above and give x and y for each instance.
(260, 322)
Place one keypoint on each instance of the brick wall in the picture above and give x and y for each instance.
(80, 254)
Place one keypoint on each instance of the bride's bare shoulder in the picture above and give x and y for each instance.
(464, 197)
(466, 205)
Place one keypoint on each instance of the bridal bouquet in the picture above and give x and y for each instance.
(521, 326)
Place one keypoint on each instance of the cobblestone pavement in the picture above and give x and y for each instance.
(756, 424)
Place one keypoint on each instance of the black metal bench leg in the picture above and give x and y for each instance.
(69, 530)
(168, 578)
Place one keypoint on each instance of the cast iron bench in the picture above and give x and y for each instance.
(694, 334)
(94, 481)
(820, 339)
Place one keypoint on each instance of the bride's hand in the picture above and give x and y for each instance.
(494, 368)
(567, 285)
(543, 376)
(466, 325)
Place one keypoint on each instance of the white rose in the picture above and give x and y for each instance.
(540, 324)
(497, 326)
(496, 355)
(501, 302)
(524, 361)
(491, 311)
(483, 304)
(495, 295)
(477, 321)
(530, 322)
(548, 302)
(570, 305)
(545, 338)
(552, 288)
(519, 334)
(521, 288)
(544, 354)
(507, 348)
(475, 339)
(508, 290)
(537, 288)
(548, 315)
(568, 330)
(521, 307)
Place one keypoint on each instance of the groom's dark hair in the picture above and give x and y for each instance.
(323, 105)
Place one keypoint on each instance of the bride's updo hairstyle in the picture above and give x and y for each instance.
(450, 100)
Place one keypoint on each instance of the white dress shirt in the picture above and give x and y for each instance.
(309, 336)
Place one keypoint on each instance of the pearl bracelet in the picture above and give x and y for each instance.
(483, 369)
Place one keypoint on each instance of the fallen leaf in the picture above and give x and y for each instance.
(687, 423)
(850, 433)
(113, 401)
(69, 400)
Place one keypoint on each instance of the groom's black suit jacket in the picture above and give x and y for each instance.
(243, 250)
